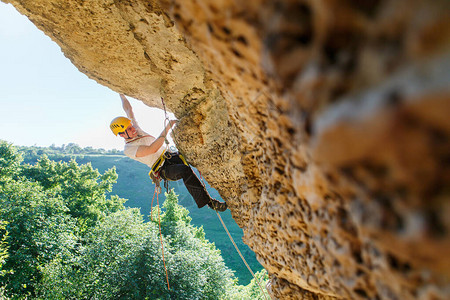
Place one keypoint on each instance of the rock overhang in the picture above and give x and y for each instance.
(323, 124)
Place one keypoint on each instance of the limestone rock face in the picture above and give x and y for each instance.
(324, 125)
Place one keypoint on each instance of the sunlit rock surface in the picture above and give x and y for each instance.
(324, 124)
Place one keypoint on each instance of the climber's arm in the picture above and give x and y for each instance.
(153, 147)
(128, 109)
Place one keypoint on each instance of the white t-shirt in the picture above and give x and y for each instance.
(144, 139)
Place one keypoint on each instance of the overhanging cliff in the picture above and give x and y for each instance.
(324, 124)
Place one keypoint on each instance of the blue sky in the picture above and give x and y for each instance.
(45, 100)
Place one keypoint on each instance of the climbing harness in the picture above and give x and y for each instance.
(157, 165)
(154, 173)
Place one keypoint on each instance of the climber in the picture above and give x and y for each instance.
(149, 150)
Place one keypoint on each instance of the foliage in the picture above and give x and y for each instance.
(194, 248)
(3, 245)
(133, 183)
(123, 259)
(68, 238)
(3, 254)
(10, 161)
(101, 270)
(38, 229)
(81, 187)
(47, 206)
(252, 291)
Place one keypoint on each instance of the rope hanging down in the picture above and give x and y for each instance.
(235, 246)
(157, 191)
(160, 235)
(240, 254)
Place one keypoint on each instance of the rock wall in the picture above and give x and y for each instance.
(324, 124)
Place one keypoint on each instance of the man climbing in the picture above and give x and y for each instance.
(149, 150)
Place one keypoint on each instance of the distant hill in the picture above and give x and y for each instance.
(135, 185)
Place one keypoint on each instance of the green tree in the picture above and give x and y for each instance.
(83, 188)
(10, 161)
(99, 271)
(252, 291)
(204, 265)
(3, 254)
(122, 258)
(3, 245)
(73, 148)
(39, 229)
(46, 206)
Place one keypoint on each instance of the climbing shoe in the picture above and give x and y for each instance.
(217, 205)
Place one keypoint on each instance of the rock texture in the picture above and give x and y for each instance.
(324, 124)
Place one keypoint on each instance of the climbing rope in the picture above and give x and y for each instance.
(235, 246)
(151, 206)
(157, 191)
(240, 254)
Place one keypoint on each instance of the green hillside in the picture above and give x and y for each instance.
(135, 185)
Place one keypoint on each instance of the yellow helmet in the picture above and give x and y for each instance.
(119, 124)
